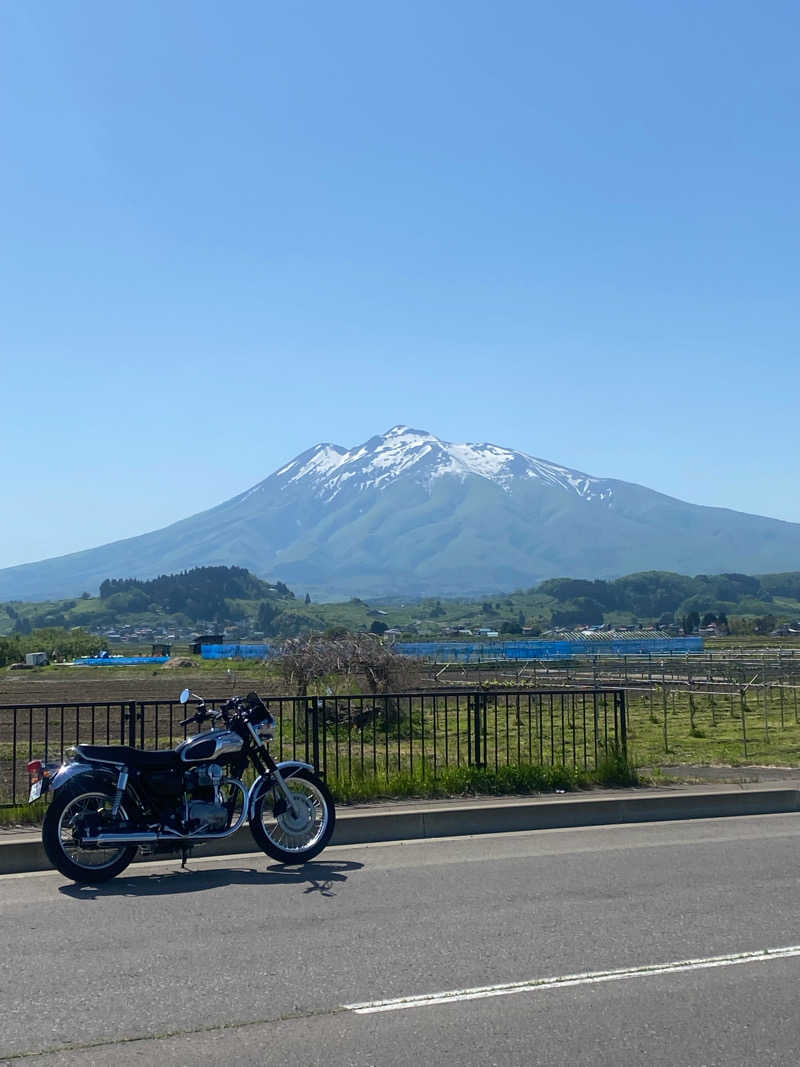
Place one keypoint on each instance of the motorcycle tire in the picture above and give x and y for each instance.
(85, 795)
(294, 840)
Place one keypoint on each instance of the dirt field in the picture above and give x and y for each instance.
(24, 734)
(62, 685)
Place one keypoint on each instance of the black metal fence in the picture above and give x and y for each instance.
(347, 737)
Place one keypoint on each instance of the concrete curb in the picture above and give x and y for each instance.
(23, 852)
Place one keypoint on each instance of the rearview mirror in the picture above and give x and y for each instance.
(185, 695)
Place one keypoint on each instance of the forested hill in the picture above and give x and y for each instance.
(661, 596)
(198, 593)
(212, 598)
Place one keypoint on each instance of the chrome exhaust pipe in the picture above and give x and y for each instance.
(143, 838)
(152, 837)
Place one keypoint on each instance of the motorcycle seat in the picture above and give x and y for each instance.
(162, 760)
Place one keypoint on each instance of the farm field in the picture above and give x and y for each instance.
(733, 708)
(66, 684)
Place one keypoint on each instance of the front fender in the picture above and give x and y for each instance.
(287, 768)
(292, 766)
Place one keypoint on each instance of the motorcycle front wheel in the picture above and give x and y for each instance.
(78, 807)
(298, 836)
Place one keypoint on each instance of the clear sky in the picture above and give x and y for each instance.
(231, 231)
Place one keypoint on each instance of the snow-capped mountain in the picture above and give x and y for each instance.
(414, 454)
(407, 513)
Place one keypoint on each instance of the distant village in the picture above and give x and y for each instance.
(423, 628)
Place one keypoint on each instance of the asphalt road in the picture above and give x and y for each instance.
(244, 961)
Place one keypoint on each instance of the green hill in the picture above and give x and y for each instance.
(212, 598)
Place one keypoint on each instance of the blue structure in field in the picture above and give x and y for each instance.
(234, 651)
(466, 651)
(117, 661)
(511, 650)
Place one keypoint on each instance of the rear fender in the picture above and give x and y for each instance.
(68, 771)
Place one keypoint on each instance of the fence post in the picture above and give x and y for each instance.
(474, 729)
(619, 700)
(765, 690)
(318, 705)
(478, 729)
(312, 713)
(309, 726)
(132, 724)
(744, 718)
(469, 728)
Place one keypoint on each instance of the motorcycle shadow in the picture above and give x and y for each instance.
(319, 877)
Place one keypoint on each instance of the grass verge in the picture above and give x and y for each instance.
(615, 769)
(22, 815)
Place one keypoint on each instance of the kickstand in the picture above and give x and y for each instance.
(184, 856)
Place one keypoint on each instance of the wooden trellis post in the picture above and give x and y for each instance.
(744, 720)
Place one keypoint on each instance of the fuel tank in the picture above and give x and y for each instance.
(210, 745)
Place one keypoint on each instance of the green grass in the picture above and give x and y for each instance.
(25, 815)
(613, 770)
(519, 779)
(769, 735)
(459, 781)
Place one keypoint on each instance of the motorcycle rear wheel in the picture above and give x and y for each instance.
(84, 798)
(299, 838)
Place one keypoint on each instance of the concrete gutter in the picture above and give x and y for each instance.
(412, 820)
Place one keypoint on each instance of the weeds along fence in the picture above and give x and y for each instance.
(349, 738)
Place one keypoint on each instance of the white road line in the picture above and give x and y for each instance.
(564, 981)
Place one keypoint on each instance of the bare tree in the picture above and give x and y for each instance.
(317, 657)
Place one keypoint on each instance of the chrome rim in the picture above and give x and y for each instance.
(300, 831)
(87, 804)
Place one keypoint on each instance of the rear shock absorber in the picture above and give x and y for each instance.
(122, 783)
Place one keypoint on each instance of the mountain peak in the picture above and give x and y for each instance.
(421, 457)
(370, 520)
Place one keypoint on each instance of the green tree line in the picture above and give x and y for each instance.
(199, 593)
(56, 642)
(663, 595)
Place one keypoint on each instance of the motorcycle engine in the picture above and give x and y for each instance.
(205, 808)
(201, 813)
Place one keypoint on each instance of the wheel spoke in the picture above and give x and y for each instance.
(300, 831)
(95, 804)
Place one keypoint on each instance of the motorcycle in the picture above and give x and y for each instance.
(111, 801)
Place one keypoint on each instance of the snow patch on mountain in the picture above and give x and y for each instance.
(487, 461)
(421, 455)
(325, 460)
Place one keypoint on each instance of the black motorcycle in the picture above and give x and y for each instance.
(111, 801)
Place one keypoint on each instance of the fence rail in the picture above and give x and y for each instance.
(347, 737)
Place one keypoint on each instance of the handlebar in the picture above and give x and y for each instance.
(198, 717)
(251, 707)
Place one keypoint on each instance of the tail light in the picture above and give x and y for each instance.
(35, 769)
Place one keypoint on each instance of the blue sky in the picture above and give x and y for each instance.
(233, 231)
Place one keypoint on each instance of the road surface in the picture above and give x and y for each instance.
(611, 945)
